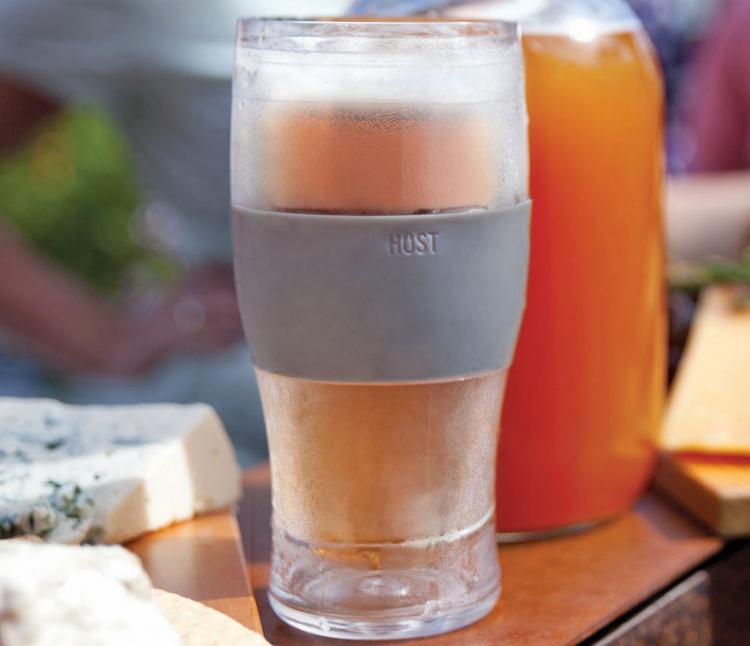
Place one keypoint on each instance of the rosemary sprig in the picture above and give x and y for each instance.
(694, 276)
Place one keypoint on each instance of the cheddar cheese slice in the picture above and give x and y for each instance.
(709, 410)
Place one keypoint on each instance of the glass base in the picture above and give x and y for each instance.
(386, 590)
(544, 534)
(389, 626)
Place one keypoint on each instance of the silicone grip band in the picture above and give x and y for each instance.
(382, 298)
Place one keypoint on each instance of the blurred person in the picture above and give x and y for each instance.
(718, 110)
(162, 70)
(709, 209)
(73, 329)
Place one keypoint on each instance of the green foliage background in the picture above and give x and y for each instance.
(72, 191)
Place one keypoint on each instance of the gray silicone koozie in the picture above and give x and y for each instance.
(382, 298)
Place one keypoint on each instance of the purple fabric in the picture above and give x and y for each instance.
(397, 7)
(718, 121)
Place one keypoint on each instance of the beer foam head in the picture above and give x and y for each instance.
(435, 62)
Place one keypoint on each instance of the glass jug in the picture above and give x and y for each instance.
(586, 389)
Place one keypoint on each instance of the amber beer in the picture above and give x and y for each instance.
(348, 159)
(383, 491)
(395, 159)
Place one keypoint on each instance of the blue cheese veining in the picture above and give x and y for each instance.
(75, 474)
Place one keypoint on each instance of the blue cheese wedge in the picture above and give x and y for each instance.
(107, 474)
(77, 596)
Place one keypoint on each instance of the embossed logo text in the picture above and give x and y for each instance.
(417, 243)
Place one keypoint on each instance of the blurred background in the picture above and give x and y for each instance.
(78, 164)
(117, 286)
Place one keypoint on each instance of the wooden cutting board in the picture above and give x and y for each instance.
(203, 560)
(715, 489)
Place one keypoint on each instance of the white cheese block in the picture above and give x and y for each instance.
(57, 595)
(106, 474)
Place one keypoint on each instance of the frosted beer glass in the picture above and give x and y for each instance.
(379, 188)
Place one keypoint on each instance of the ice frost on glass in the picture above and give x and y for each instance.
(443, 129)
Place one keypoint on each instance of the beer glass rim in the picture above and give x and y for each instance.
(359, 35)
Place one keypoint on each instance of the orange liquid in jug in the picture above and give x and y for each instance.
(585, 391)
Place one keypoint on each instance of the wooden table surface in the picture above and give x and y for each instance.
(559, 591)
(202, 559)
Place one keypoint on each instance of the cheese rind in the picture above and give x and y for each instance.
(200, 625)
(101, 474)
(56, 595)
